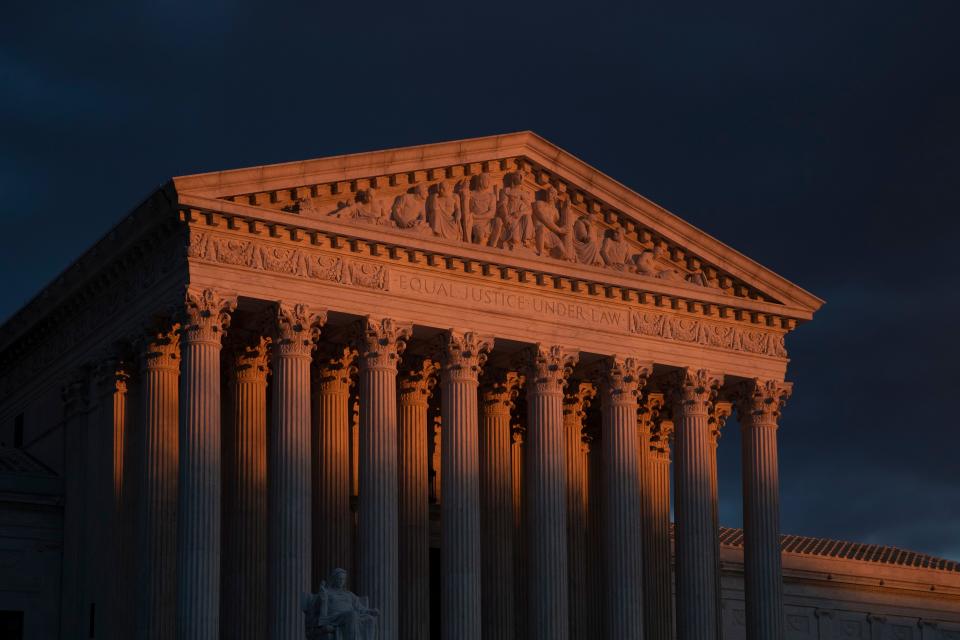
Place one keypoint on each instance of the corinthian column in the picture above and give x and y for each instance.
(697, 546)
(497, 396)
(575, 404)
(207, 315)
(243, 610)
(462, 356)
(332, 518)
(288, 534)
(545, 490)
(157, 517)
(621, 534)
(759, 409)
(379, 344)
(655, 498)
(416, 386)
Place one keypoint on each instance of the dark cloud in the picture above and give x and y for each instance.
(819, 138)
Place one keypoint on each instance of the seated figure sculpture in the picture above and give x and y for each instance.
(334, 613)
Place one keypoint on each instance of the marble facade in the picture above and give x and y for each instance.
(279, 344)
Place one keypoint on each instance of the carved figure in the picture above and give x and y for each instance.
(515, 215)
(480, 210)
(615, 250)
(646, 264)
(409, 210)
(443, 213)
(587, 240)
(333, 613)
(554, 227)
(366, 207)
(671, 274)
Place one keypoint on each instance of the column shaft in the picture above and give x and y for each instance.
(763, 589)
(578, 505)
(288, 531)
(519, 588)
(546, 494)
(697, 547)
(198, 532)
(497, 527)
(414, 499)
(379, 345)
(657, 557)
(157, 518)
(243, 610)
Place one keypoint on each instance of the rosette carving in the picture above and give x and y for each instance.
(297, 329)
(694, 390)
(418, 380)
(463, 354)
(206, 315)
(380, 343)
(546, 368)
(759, 402)
(499, 390)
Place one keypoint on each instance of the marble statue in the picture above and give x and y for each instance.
(587, 238)
(514, 212)
(366, 207)
(409, 210)
(480, 210)
(334, 613)
(554, 226)
(615, 250)
(443, 213)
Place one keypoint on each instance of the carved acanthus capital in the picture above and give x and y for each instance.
(297, 330)
(499, 390)
(417, 381)
(251, 360)
(649, 412)
(111, 375)
(161, 350)
(694, 391)
(621, 379)
(546, 368)
(577, 400)
(463, 354)
(661, 435)
(335, 366)
(719, 412)
(381, 342)
(517, 434)
(206, 315)
(759, 402)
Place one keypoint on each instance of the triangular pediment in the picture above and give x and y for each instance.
(515, 194)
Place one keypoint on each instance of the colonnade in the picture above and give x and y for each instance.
(554, 524)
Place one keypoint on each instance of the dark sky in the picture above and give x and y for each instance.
(819, 138)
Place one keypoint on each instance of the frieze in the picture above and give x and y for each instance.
(708, 334)
(292, 261)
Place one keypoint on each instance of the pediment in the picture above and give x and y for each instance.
(517, 195)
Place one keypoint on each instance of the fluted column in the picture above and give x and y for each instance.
(546, 370)
(519, 587)
(243, 609)
(462, 356)
(288, 531)
(759, 409)
(379, 343)
(157, 518)
(497, 529)
(575, 404)
(697, 547)
(416, 386)
(657, 555)
(207, 315)
(332, 518)
(622, 539)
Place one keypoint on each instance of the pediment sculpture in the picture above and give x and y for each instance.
(334, 613)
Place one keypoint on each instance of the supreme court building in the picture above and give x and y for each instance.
(472, 374)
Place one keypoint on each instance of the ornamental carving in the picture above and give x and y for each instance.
(417, 381)
(694, 391)
(546, 368)
(661, 435)
(575, 404)
(111, 375)
(719, 412)
(499, 390)
(759, 402)
(708, 334)
(463, 354)
(649, 412)
(335, 367)
(623, 378)
(291, 261)
(381, 342)
(161, 350)
(206, 315)
(251, 360)
(297, 330)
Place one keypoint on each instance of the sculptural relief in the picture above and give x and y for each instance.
(443, 213)
(553, 222)
(366, 208)
(480, 209)
(587, 239)
(334, 613)
(515, 216)
(615, 250)
(409, 210)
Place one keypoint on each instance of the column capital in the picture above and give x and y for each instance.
(463, 354)
(546, 367)
(694, 390)
(576, 401)
(622, 378)
(206, 315)
(650, 407)
(380, 342)
(661, 436)
(297, 329)
(161, 349)
(335, 366)
(718, 414)
(759, 402)
(417, 381)
(251, 361)
(499, 389)
(111, 375)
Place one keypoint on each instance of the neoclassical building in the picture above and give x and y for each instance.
(472, 374)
